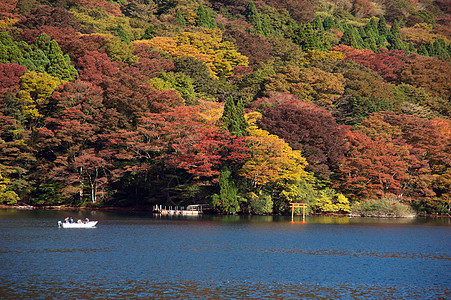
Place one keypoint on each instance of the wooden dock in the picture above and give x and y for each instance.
(190, 210)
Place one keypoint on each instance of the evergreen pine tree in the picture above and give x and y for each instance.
(369, 36)
(363, 33)
(370, 43)
(242, 123)
(122, 34)
(253, 16)
(309, 38)
(234, 121)
(359, 39)
(204, 19)
(439, 48)
(227, 200)
(411, 48)
(381, 42)
(396, 44)
(394, 38)
(179, 17)
(382, 27)
(394, 30)
(267, 29)
(59, 65)
(37, 61)
(423, 50)
(318, 24)
(233, 117)
(149, 33)
(328, 23)
(10, 52)
(349, 38)
(371, 27)
(431, 49)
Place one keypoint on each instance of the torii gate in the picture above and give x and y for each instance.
(293, 205)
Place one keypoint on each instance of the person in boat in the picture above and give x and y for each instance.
(71, 220)
(66, 220)
(79, 221)
(86, 220)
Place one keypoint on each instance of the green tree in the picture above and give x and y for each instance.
(371, 26)
(253, 16)
(309, 38)
(369, 38)
(7, 196)
(318, 24)
(204, 19)
(394, 38)
(179, 17)
(202, 80)
(37, 61)
(59, 64)
(349, 38)
(261, 204)
(233, 118)
(330, 22)
(149, 33)
(227, 200)
(119, 50)
(180, 82)
(438, 48)
(10, 52)
(122, 34)
(382, 27)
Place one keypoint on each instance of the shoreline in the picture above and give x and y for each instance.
(150, 209)
(62, 207)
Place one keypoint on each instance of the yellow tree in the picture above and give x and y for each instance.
(211, 111)
(6, 196)
(172, 47)
(272, 159)
(308, 84)
(6, 24)
(105, 23)
(206, 45)
(311, 55)
(36, 90)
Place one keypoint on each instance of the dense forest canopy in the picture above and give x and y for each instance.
(244, 105)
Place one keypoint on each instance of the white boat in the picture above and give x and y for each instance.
(89, 224)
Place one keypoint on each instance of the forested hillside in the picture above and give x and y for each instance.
(245, 105)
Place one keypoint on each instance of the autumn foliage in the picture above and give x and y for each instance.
(244, 105)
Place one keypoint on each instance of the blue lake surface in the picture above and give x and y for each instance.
(142, 256)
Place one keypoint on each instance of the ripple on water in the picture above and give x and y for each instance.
(363, 253)
(221, 258)
(142, 289)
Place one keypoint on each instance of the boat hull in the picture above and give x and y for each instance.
(90, 224)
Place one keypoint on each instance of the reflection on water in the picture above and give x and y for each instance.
(232, 257)
(133, 289)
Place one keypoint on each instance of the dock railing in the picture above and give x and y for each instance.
(194, 209)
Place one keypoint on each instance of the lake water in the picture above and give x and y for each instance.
(141, 256)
